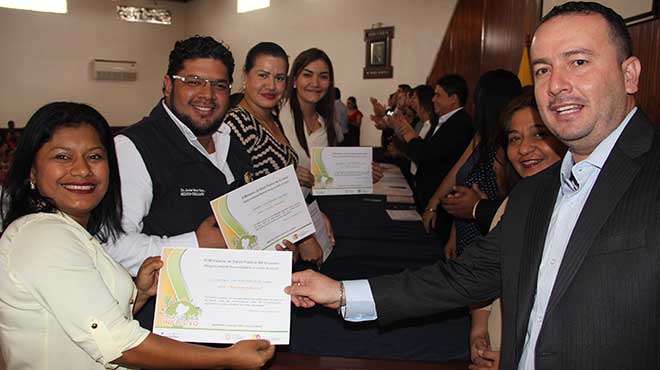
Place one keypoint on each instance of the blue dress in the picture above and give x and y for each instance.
(481, 173)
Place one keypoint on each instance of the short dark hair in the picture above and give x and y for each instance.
(352, 100)
(454, 84)
(105, 219)
(264, 48)
(199, 47)
(618, 30)
(405, 88)
(325, 107)
(337, 93)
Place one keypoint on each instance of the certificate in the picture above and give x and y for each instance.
(223, 296)
(341, 170)
(262, 213)
(404, 215)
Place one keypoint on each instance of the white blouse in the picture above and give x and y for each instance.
(316, 138)
(64, 303)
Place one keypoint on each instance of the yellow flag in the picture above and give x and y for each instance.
(524, 72)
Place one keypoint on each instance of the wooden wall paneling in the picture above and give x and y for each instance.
(489, 34)
(508, 24)
(646, 45)
(460, 51)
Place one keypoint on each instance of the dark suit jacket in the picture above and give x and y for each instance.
(437, 154)
(484, 213)
(605, 305)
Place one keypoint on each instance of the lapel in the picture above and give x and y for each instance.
(449, 122)
(616, 176)
(536, 228)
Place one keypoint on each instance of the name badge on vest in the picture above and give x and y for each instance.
(192, 192)
(247, 177)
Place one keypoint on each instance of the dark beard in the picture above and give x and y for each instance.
(197, 130)
(188, 121)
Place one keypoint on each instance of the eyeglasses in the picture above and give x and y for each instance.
(196, 82)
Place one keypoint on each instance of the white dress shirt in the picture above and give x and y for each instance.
(317, 138)
(341, 112)
(577, 180)
(426, 127)
(444, 118)
(133, 247)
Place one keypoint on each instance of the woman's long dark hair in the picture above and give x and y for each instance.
(425, 94)
(105, 219)
(325, 107)
(494, 90)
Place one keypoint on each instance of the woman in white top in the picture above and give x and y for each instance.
(64, 303)
(308, 114)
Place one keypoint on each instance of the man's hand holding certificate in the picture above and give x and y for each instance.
(341, 170)
(223, 296)
(262, 213)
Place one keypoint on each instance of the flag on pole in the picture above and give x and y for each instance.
(524, 70)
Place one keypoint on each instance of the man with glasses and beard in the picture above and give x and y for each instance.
(173, 162)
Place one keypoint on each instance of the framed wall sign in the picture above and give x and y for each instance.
(378, 53)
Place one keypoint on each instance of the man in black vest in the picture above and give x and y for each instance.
(173, 162)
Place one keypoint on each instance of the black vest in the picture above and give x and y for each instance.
(184, 180)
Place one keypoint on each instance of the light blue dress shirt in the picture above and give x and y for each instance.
(577, 180)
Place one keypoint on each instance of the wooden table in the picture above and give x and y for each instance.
(296, 361)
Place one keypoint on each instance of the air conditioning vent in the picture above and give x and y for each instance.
(114, 70)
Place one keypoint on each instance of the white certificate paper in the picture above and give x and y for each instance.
(223, 296)
(262, 213)
(341, 170)
(404, 215)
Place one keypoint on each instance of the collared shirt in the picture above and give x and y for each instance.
(577, 181)
(221, 139)
(444, 118)
(423, 132)
(64, 303)
(133, 247)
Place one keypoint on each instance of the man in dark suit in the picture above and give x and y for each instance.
(435, 154)
(575, 257)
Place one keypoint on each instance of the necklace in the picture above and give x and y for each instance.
(313, 124)
(268, 124)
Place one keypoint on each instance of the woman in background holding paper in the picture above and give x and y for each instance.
(256, 125)
(309, 107)
(308, 115)
(64, 303)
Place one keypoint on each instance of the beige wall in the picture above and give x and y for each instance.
(46, 57)
(337, 27)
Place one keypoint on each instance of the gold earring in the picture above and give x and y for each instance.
(32, 185)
